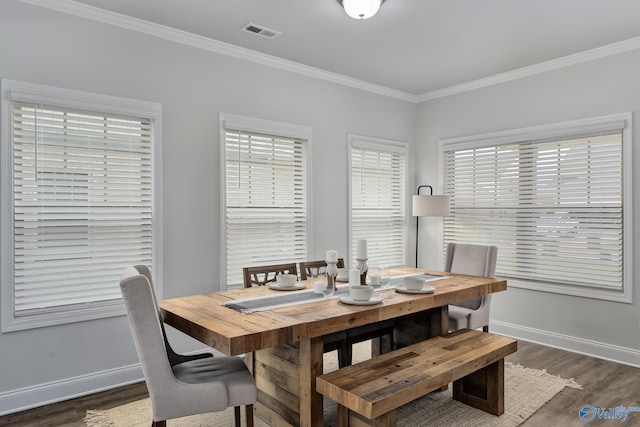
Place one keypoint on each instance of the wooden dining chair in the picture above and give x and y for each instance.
(380, 330)
(264, 274)
(473, 260)
(309, 269)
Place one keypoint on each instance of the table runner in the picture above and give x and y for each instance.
(289, 298)
(263, 303)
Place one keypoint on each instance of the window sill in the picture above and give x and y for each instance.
(615, 295)
(43, 320)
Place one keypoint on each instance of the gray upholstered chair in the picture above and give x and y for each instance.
(174, 358)
(473, 260)
(201, 385)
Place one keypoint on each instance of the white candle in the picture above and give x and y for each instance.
(318, 287)
(331, 256)
(354, 276)
(361, 252)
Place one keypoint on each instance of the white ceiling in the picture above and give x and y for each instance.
(416, 47)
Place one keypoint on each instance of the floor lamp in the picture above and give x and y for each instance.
(428, 205)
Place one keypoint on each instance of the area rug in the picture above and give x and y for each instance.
(525, 390)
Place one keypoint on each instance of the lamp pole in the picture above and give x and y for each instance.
(418, 218)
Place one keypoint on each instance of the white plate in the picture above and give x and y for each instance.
(426, 289)
(295, 287)
(375, 299)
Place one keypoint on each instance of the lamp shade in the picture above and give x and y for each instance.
(430, 205)
(361, 9)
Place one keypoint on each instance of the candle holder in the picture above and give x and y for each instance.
(362, 266)
(332, 273)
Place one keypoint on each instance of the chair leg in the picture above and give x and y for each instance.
(344, 354)
(249, 415)
(158, 423)
(348, 354)
(386, 343)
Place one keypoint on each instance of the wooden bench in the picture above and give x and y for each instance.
(368, 393)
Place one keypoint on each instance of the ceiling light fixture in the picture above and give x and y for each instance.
(361, 9)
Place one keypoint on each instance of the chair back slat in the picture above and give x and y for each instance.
(309, 269)
(264, 274)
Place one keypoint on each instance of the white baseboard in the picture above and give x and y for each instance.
(43, 394)
(627, 356)
(17, 400)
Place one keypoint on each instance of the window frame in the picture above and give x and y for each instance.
(15, 91)
(353, 142)
(266, 127)
(563, 130)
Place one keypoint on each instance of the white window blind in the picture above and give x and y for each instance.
(553, 206)
(266, 218)
(76, 201)
(81, 205)
(378, 200)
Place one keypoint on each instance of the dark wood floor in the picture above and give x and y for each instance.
(606, 385)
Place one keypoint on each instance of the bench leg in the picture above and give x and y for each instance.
(483, 389)
(347, 418)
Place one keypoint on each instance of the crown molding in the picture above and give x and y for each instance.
(553, 64)
(179, 36)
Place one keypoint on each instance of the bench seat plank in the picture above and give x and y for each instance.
(380, 385)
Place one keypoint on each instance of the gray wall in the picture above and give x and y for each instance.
(596, 88)
(193, 86)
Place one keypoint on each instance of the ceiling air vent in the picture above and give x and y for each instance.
(261, 31)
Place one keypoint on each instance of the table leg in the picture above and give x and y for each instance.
(310, 368)
(439, 321)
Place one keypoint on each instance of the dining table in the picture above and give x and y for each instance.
(282, 340)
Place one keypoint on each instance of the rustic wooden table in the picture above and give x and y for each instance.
(284, 345)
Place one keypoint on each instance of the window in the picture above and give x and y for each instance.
(77, 202)
(553, 198)
(378, 177)
(265, 194)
